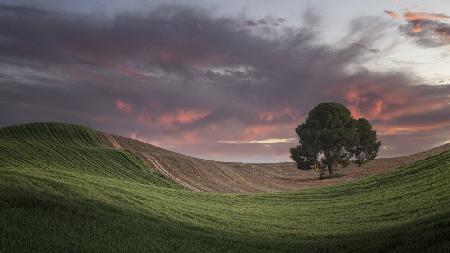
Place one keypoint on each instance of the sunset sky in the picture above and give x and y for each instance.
(228, 80)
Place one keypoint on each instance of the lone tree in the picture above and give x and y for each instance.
(330, 136)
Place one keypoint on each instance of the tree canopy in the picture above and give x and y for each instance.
(330, 136)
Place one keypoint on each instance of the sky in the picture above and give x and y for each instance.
(228, 80)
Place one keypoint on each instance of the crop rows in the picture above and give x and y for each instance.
(61, 189)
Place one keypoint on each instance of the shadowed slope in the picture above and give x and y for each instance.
(212, 176)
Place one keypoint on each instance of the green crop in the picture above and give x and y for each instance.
(63, 190)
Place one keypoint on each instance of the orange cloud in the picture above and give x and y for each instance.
(416, 16)
(390, 107)
(417, 28)
(430, 28)
(123, 106)
(373, 112)
(181, 116)
(389, 104)
(171, 119)
(355, 99)
(377, 108)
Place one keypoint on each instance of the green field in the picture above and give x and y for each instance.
(63, 190)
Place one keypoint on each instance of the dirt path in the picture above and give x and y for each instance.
(212, 176)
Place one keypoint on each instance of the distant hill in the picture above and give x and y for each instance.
(212, 176)
(68, 188)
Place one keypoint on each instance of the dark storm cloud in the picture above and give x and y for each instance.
(184, 78)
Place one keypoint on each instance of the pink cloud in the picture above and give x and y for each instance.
(387, 107)
(123, 106)
(172, 119)
(182, 116)
(389, 103)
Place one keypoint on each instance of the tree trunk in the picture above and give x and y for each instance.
(329, 162)
(322, 171)
(330, 170)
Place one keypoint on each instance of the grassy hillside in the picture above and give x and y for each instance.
(70, 149)
(63, 190)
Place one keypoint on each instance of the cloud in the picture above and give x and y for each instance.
(284, 114)
(427, 29)
(417, 16)
(266, 141)
(123, 106)
(391, 14)
(269, 21)
(184, 77)
(181, 116)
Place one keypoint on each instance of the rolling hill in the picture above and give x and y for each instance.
(68, 188)
(213, 176)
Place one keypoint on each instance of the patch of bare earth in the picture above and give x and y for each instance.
(212, 176)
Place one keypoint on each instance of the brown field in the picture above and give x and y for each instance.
(212, 176)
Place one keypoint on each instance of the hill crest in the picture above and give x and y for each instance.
(202, 175)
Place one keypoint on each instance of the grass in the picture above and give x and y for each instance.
(62, 190)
